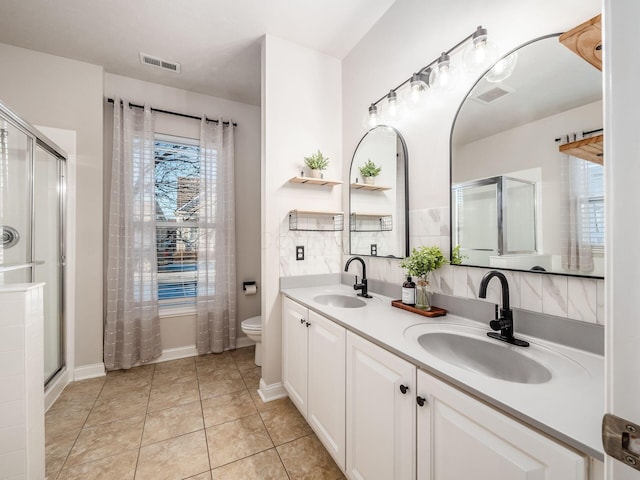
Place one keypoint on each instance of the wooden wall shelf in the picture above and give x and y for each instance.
(372, 188)
(586, 41)
(590, 149)
(315, 181)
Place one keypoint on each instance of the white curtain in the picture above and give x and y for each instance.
(132, 328)
(577, 251)
(216, 298)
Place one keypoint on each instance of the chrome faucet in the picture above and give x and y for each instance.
(363, 285)
(503, 320)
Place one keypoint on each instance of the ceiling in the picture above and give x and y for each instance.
(216, 42)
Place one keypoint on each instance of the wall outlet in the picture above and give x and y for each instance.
(374, 249)
(299, 252)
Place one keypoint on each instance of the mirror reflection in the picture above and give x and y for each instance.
(378, 207)
(521, 198)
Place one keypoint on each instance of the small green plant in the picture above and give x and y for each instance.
(456, 256)
(423, 260)
(317, 161)
(369, 169)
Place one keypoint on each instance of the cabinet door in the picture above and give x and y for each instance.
(380, 418)
(460, 437)
(326, 405)
(294, 352)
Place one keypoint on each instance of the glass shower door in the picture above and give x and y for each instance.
(47, 255)
(15, 204)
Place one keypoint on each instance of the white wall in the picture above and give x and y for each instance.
(301, 105)
(57, 92)
(409, 36)
(178, 331)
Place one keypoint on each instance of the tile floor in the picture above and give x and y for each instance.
(195, 418)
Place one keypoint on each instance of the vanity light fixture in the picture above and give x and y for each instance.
(479, 53)
(441, 73)
(503, 69)
(419, 86)
(373, 116)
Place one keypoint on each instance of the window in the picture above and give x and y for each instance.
(177, 169)
(594, 209)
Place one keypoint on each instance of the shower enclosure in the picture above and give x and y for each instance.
(493, 217)
(32, 192)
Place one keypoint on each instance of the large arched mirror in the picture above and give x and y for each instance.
(378, 213)
(517, 201)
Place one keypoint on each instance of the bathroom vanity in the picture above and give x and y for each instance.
(388, 405)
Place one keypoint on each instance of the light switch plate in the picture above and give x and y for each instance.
(299, 252)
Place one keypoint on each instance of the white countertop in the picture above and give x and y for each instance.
(569, 407)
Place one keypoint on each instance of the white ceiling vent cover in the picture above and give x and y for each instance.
(159, 63)
(492, 94)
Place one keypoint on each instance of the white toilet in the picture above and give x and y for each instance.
(252, 328)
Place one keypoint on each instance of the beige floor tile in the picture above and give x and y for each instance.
(214, 358)
(284, 423)
(235, 440)
(217, 385)
(166, 395)
(130, 404)
(84, 390)
(106, 440)
(243, 353)
(141, 374)
(172, 364)
(123, 385)
(264, 406)
(172, 422)
(261, 466)
(176, 374)
(226, 408)
(56, 452)
(245, 358)
(176, 458)
(202, 476)
(117, 467)
(252, 377)
(211, 369)
(65, 419)
(306, 459)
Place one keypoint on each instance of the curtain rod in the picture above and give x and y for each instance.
(110, 100)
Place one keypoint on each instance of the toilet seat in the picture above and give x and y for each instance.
(253, 324)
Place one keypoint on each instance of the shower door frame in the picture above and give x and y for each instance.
(41, 140)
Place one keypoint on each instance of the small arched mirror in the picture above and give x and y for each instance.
(378, 213)
(514, 200)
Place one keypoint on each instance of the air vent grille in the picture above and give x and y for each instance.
(492, 94)
(159, 63)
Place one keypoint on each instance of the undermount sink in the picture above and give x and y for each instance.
(490, 359)
(341, 301)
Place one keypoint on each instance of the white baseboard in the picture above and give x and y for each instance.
(268, 393)
(176, 353)
(89, 371)
(55, 388)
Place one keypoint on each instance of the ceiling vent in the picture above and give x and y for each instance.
(159, 63)
(492, 94)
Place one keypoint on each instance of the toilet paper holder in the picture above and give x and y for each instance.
(249, 284)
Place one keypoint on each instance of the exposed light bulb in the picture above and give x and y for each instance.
(373, 116)
(479, 53)
(443, 77)
(502, 69)
(419, 86)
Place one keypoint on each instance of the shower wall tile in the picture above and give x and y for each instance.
(474, 276)
(531, 292)
(444, 279)
(460, 281)
(555, 295)
(582, 299)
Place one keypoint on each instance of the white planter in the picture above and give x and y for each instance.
(315, 173)
(369, 180)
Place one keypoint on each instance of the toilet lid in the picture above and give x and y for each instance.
(253, 323)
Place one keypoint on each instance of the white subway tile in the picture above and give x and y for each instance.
(582, 299)
(555, 295)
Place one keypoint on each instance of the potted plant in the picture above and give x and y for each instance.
(369, 172)
(456, 256)
(316, 163)
(421, 262)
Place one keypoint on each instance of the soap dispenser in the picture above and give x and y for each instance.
(409, 292)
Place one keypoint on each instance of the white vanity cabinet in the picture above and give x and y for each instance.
(381, 413)
(314, 373)
(461, 437)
